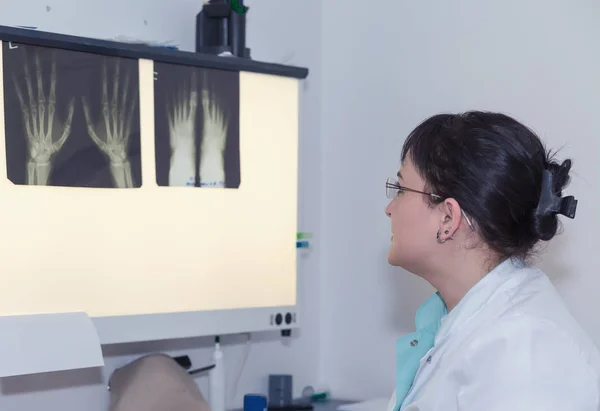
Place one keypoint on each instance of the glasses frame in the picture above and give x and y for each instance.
(392, 184)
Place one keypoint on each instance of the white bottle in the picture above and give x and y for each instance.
(216, 380)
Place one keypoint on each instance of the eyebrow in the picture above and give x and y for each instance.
(399, 174)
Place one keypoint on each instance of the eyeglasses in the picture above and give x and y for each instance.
(393, 189)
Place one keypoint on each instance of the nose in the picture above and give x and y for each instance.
(388, 211)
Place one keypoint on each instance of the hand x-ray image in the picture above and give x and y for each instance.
(71, 118)
(196, 126)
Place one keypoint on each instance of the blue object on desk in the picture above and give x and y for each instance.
(329, 405)
(255, 402)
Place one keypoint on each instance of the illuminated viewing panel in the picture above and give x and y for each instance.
(133, 187)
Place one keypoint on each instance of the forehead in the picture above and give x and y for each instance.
(407, 174)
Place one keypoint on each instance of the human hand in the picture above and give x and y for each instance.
(41, 123)
(117, 116)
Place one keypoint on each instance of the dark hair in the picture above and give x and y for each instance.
(493, 166)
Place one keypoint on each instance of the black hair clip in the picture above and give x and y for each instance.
(551, 203)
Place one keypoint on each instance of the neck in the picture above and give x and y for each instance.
(455, 278)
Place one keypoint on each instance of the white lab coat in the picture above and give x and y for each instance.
(509, 345)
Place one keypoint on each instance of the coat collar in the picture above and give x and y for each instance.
(477, 297)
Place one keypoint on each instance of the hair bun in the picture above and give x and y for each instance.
(560, 174)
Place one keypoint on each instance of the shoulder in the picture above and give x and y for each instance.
(536, 335)
(523, 362)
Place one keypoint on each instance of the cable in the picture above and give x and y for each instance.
(236, 382)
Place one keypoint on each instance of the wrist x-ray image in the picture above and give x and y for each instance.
(196, 127)
(71, 118)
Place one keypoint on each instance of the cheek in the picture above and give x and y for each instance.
(412, 242)
(410, 223)
(403, 217)
(405, 234)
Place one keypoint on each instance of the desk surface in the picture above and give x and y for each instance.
(330, 405)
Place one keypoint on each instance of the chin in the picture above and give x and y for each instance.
(394, 259)
(403, 262)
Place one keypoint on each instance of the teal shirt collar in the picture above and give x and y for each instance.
(411, 348)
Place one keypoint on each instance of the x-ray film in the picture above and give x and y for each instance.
(76, 122)
(196, 126)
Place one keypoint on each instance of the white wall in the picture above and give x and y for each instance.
(277, 32)
(537, 60)
(379, 76)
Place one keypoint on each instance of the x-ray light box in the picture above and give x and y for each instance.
(153, 190)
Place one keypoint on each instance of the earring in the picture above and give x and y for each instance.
(439, 240)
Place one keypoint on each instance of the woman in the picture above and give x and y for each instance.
(475, 193)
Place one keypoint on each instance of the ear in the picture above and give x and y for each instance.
(449, 218)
